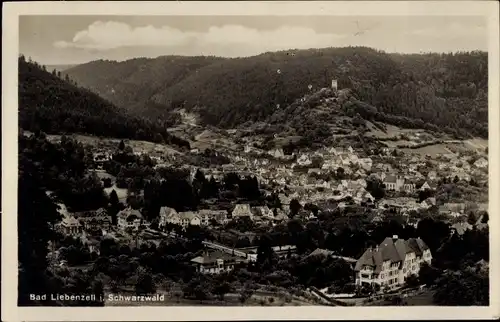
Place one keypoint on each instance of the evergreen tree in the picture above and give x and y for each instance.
(37, 215)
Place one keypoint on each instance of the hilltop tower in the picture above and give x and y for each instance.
(334, 84)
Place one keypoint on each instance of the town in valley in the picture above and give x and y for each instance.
(363, 182)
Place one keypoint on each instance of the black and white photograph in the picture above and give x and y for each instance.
(241, 160)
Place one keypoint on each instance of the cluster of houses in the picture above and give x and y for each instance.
(75, 224)
(217, 258)
(206, 217)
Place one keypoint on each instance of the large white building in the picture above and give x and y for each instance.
(129, 218)
(390, 263)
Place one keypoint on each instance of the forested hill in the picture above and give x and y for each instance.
(53, 104)
(446, 90)
(134, 82)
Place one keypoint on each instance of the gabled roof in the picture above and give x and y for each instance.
(167, 211)
(416, 245)
(242, 209)
(70, 220)
(392, 250)
(125, 213)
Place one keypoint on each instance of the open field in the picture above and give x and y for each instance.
(432, 150)
(122, 193)
(136, 145)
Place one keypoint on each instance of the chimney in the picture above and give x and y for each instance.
(376, 249)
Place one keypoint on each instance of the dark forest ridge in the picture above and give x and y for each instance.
(446, 90)
(55, 104)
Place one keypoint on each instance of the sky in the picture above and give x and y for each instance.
(66, 39)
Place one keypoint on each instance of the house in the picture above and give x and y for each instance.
(409, 187)
(206, 215)
(95, 220)
(391, 262)
(432, 175)
(481, 163)
(280, 216)
(285, 250)
(70, 226)
(332, 151)
(129, 218)
(242, 210)
(189, 218)
(329, 164)
(460, 228)
(168, 215)
(365, 163)
(429, 202)
(455, 207)
(304, 160)
(264, 212)
(215, 262)
(425, 186)
(277, 153)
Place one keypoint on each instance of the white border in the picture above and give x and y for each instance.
(11, 12)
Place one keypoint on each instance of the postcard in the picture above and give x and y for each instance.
(250, 160)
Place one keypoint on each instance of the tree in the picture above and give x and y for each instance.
(107, 183)
(98, 290)
(375, 187)
(113, 198)
(37, 215)
(221, 290)
(121, 145)
(428, 275)
(398, 301)
(463, 288)
(412, 281)
(265, 252)
(471, 218)
(145, 285)
(246, 294)
(200, 293)
(295, 207)
(485, 218)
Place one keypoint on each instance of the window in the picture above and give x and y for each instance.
(365, 276)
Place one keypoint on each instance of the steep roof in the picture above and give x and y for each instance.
(242, 209)
(126, 213)
(416, 245)
(70, 221)
(390, 178)
(392, 250)
(167, 211)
